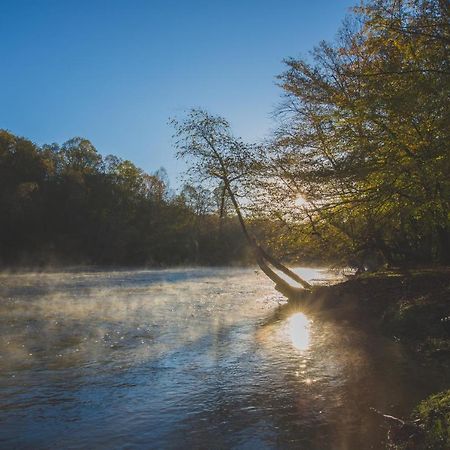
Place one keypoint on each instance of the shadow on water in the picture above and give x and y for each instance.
(191, 359)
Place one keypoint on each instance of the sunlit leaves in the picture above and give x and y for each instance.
(364, 132)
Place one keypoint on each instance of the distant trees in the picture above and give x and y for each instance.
(68, 204)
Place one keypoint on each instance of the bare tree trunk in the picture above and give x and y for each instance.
(284, 269)
(280, 284)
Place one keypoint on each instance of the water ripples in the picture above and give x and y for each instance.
(197, 358)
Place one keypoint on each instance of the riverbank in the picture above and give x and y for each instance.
(412, 307)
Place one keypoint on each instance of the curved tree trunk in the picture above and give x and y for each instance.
(262, 256)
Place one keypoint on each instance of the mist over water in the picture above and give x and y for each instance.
(189, 358)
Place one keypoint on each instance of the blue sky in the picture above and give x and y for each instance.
(115, 71)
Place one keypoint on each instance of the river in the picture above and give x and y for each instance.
(203, 358)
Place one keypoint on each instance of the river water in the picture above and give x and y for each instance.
(190, 358)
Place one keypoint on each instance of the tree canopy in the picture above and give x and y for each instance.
(360, 160)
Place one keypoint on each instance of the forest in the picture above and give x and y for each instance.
(356, 172)
(69, 205)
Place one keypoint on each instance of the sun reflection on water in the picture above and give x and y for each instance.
(299, 331)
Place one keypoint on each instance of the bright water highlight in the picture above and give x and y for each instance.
(190, 358)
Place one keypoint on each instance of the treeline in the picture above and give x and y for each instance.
(69, 205)
(357, 171)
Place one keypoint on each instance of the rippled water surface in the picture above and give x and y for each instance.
(191, 358)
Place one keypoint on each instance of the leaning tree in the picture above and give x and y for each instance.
(214, 155)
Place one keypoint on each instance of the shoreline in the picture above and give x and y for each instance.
(412, 307)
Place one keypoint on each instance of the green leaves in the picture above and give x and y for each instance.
(363, 126)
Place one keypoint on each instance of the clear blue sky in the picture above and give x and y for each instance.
(114, 71)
